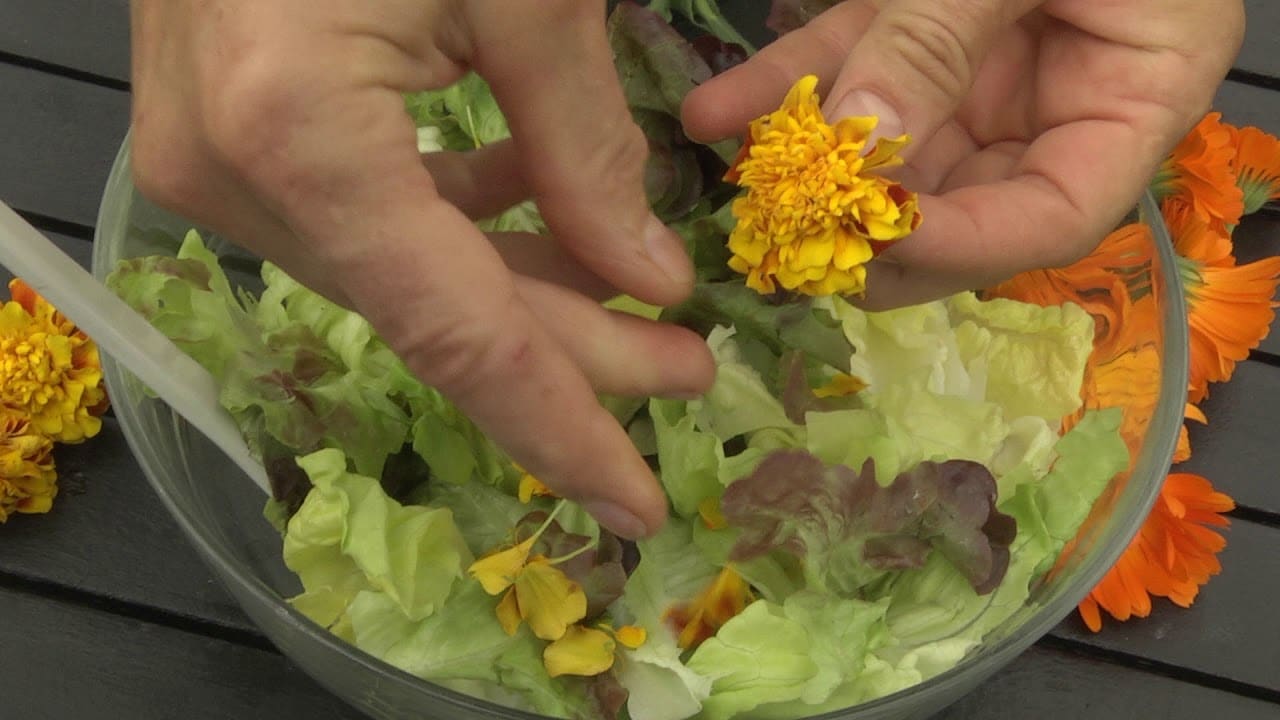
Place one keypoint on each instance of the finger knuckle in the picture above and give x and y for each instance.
(933, 47)
(468, 355)
(249, 116)
(164, 168)
(619, 160)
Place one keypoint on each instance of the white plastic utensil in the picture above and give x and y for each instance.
(124, 334)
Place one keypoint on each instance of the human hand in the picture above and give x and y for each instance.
(281, 125)
(1035, 124)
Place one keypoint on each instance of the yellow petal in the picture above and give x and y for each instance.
(508, 612)
(531, 487)
(549, 601)
(839, 386)
(709, 509)
(497, 570)
(631, 636)
(581, 651)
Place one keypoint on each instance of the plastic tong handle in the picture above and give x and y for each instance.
(124, 334)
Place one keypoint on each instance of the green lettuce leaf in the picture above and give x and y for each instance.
(1031, 359)
(349, 537)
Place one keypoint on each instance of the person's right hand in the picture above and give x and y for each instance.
(281, 125)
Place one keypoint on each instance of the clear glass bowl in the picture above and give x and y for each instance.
(221, 511)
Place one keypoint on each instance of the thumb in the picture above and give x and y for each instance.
(918, 60)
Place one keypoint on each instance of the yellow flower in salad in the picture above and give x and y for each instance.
(537, 592)
(589, 651)
(49, 370)
(840, 385)
(531, 487)
(27, 479)
(815, 211)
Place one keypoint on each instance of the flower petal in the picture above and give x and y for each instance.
(549, 601)
(580, 651)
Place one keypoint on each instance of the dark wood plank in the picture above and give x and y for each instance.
(65, 661)
(1232, 631)
(1261, 51)
(1243, 104)
(1050, 683)
(1237, 450)
(108, 534)
(91, 36)
(1257, 237)
(58, 138)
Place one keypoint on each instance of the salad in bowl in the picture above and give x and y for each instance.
(869, 511)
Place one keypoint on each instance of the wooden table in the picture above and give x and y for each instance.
(106, 612)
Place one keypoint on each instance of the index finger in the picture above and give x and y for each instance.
(551, 69)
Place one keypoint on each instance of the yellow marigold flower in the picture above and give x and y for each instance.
(49, 370)
(815, 211)
(28, 483)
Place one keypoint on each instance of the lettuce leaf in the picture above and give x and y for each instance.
(848, 531)
(349, 537)
(1032, 358)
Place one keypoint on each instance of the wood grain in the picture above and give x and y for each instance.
(58, 138)
(90, 36)
(61, 661)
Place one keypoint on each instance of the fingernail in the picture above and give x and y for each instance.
(617, 519)
(666, 249)
(861, 103)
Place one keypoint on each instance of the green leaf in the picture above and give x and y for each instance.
(349, 537)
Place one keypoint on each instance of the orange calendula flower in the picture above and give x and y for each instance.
(1229, 306)
(1099, 283)
(815, 210)
(1172, 556)
(1200, 172)
(1257, 166)
(28, 482)
(726, 596)
(49, 370)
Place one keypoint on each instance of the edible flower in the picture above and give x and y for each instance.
(28, 482)
(1257, 166)
(50, 371)
(815, 211)
(840, 385)
(1200, 172)
(1173, 555)
(726, 596)
(531, 487)
(1229, 306)
(589, 651)
(537, 592)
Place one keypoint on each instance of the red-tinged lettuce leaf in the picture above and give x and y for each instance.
(656, 64)
(788, 15)
(849, 530)
(718, 54)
